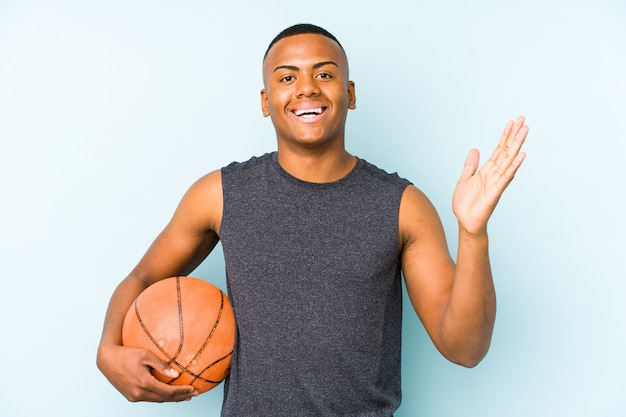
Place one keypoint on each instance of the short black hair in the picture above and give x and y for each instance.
(301, 29)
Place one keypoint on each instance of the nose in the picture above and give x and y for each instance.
(307, 87)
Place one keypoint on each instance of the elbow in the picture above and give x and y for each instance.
(466, 347)
(469, 361)
(468, 356)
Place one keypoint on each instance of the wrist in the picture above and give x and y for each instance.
(477, 235)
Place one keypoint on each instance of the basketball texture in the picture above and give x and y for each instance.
(188, 323)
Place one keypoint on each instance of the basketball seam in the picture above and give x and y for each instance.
(184, 369)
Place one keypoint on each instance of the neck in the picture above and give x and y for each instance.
(316, 166)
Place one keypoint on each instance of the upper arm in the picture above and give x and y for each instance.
(426, 263)
(190, 235)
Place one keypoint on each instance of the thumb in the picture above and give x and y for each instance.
(160, 366)
(471, 164)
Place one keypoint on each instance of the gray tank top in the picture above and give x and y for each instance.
(314, 278)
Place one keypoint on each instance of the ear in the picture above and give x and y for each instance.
(351, 95)
(264, 105)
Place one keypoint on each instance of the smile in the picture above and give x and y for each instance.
(309, 113)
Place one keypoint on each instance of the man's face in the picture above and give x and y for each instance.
(307, 93)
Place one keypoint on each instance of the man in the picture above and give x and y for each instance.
(314, 241)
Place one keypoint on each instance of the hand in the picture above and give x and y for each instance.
(478, 191)
(128, 369)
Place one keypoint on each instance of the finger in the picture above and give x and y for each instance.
(518, 134)
(510, 172)
(510, 143)
(146, 387)
(156, 390)
(160, 366)
(502, 151)
(505, 134)
(471, 164)
(161, 392)
(517, 162)
(515, 144)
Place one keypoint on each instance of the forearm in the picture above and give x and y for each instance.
(469, 317)
(123, 296)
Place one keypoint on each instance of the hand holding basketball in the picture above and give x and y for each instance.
(188, 324)
(130, 374)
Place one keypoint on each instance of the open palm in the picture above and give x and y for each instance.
(479, 190)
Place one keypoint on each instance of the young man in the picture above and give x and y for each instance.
(315, 241)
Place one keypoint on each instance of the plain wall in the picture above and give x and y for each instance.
(109, 110)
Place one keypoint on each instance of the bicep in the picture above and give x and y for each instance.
(427, 267)
(190, 235)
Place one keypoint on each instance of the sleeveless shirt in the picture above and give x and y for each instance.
(313, 275)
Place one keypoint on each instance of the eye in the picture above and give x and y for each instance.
(324, 75)
(287, 79)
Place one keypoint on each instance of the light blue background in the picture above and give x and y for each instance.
(109, 110)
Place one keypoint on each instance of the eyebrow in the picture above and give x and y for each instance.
(315, 66)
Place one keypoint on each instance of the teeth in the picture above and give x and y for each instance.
(308, 111)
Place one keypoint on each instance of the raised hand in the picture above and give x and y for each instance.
(479, 190)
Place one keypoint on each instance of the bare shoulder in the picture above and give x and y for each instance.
(418, 218)
(202, 204)
(209, 185)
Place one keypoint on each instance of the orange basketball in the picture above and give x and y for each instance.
(188, 323)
